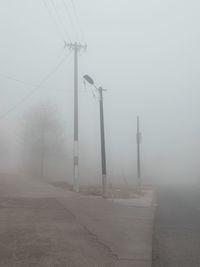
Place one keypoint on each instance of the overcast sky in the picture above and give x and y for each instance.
(145, 53)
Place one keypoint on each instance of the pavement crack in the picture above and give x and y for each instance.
(91, 234)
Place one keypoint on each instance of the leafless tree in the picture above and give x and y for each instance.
(43, 138)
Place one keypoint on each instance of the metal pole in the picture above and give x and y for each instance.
(138, 154)
(103, 150)
(76, 143)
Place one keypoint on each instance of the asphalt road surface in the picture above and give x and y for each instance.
(177, 228)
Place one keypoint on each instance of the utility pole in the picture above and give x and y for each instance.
(103, 149)
(138, 140)
(76, 47)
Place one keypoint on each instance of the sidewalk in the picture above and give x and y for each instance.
(124, 226)
(44, 226)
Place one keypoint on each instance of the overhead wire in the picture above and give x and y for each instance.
(9, 77)
(93, 93)
(31, 84)
(32, 92)
(54, 20)
(78, 21)
(60, 19)
(70, 17)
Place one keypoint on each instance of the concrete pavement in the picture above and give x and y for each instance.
(125, 229)
(43, 226)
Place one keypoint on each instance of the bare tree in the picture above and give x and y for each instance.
(43, 138)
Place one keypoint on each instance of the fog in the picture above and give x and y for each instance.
(145, 53)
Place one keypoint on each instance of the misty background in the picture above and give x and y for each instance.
(145, 53)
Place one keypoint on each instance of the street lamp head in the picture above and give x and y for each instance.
(88, 79)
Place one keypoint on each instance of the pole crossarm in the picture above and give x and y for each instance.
(76, 46)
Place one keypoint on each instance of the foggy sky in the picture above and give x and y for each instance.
(145, 53)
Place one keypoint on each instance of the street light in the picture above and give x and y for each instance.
(103, 150)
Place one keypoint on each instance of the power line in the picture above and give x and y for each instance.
(70, 17)
(77, 19)
(31, 84)
(54, 20)
(93, 92)
(26, 97)
(60, 19)
(8, 77)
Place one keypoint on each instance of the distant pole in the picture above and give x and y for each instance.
(103, 150)
(76, 47)
(138, 139)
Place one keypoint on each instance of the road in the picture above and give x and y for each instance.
(177, 228)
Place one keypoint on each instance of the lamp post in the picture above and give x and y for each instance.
(103, 150)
